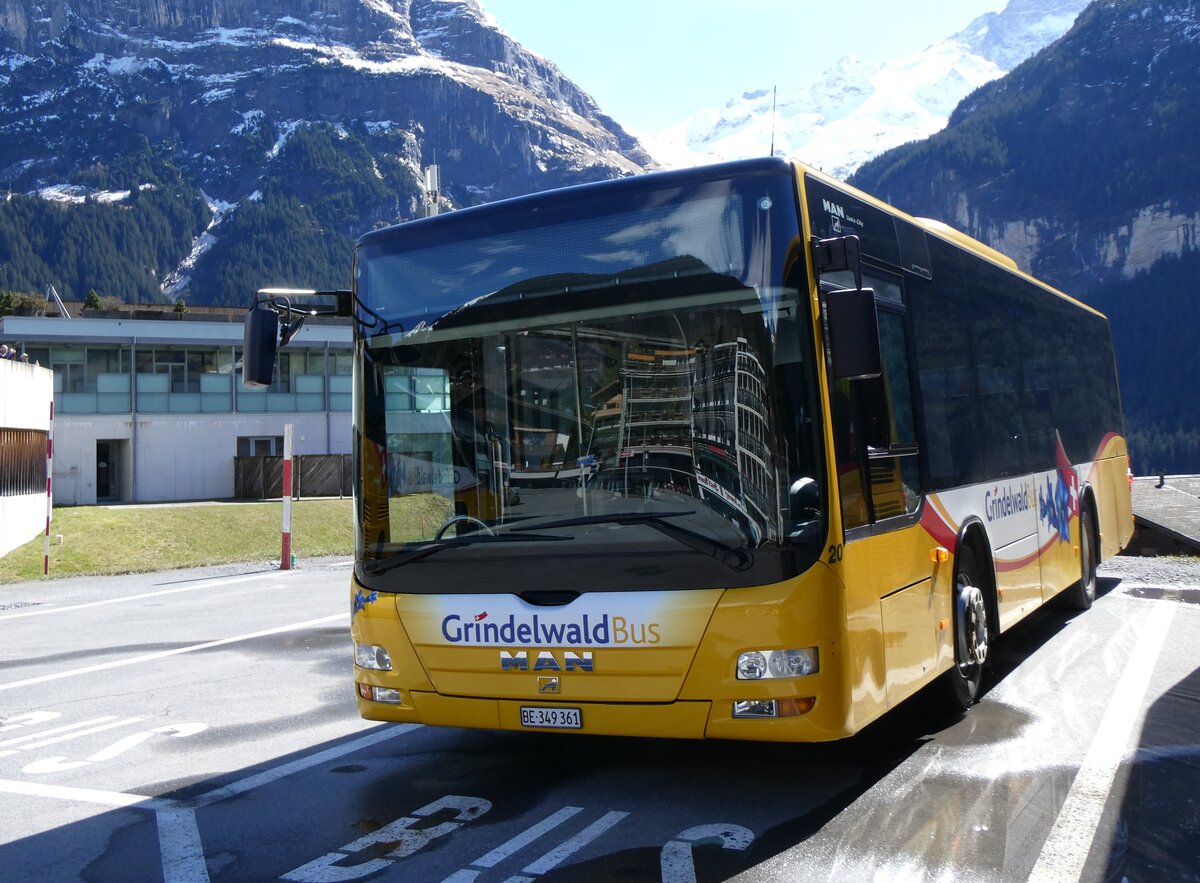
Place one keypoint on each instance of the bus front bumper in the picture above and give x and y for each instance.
(671, 720)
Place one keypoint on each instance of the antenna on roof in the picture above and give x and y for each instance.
(433, 187)
(52, 295)
(774, 91)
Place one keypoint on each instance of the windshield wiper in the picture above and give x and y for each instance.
(732, 557)
(376, 566)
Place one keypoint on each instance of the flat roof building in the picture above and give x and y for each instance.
(25, 392)
(153, 410)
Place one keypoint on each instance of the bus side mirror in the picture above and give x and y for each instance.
(258, 348)
(853, 334)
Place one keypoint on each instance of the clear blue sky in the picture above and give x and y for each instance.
(651, 63)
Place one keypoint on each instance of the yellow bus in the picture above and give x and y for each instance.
(733, 452)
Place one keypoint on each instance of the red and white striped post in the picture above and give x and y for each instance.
(49, 489)
(285, 562)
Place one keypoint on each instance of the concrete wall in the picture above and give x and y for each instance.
(176, 457)
(25, 395)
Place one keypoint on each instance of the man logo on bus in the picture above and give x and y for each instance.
(571, 660)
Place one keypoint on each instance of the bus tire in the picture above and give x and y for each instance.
(1081, 595)
(972, 632)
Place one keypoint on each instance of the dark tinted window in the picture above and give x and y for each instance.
(946, 372)
(1006, 370)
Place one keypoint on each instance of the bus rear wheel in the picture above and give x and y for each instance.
(971, 633)
(1081, 595)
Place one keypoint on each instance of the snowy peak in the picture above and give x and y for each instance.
(855, 110)
(1024, 26)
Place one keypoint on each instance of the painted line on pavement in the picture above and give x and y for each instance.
(124, 598)
(270, 775)
(179, 842)
(34, 737)
(100, 728)
(115, 799)
(180, 846)
(163, 654)
(1066, 849)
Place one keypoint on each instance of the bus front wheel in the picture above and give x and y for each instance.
(971, 633)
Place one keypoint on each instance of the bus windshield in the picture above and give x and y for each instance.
(611, 391)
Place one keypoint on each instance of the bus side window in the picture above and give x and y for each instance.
(847, 456)
(895, 472)
(874, 426)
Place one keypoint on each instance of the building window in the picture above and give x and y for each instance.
(260, 446)
(22, 462)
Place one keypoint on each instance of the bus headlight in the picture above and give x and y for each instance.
(381, 694)
(751, 666)
(372, 656)
(768, 708)
(755, 665)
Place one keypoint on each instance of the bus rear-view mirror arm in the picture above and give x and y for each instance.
(273, 321)
(838, 253)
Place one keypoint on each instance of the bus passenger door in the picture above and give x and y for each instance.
(894, 604)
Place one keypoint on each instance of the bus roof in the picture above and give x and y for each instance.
(945, 231)
(632, 183)
(684, 177)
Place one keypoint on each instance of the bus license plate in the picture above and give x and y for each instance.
(557, 718)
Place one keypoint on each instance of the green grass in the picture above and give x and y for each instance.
(134, 539)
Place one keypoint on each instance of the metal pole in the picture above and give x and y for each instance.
(583, 489)
(285, 562)
(49, 489)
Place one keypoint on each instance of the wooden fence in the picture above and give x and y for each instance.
(313, 475)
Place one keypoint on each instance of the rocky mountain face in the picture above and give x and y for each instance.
(1083, 164)
(315, 116)
(859, 108)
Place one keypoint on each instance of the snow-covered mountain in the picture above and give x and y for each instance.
(857, 109)
(231, 123)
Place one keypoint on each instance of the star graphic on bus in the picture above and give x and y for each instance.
(1058, 502)
(361, 600)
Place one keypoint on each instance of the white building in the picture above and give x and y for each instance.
(151, 410)
(25, 393)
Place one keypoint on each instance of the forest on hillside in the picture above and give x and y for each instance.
(121, 249)
(323, 190)
(1157, 364)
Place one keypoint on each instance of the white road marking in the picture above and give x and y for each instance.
(678, 862)
(1066, 848)
(400, 838)
(519, 842)
(33, 737)
(163, 654)
(27, 719)
(268, 776)
(178, 836)
(66, 738)
(569, 847)
(180, 846)
(84, 795)
(124, 598)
